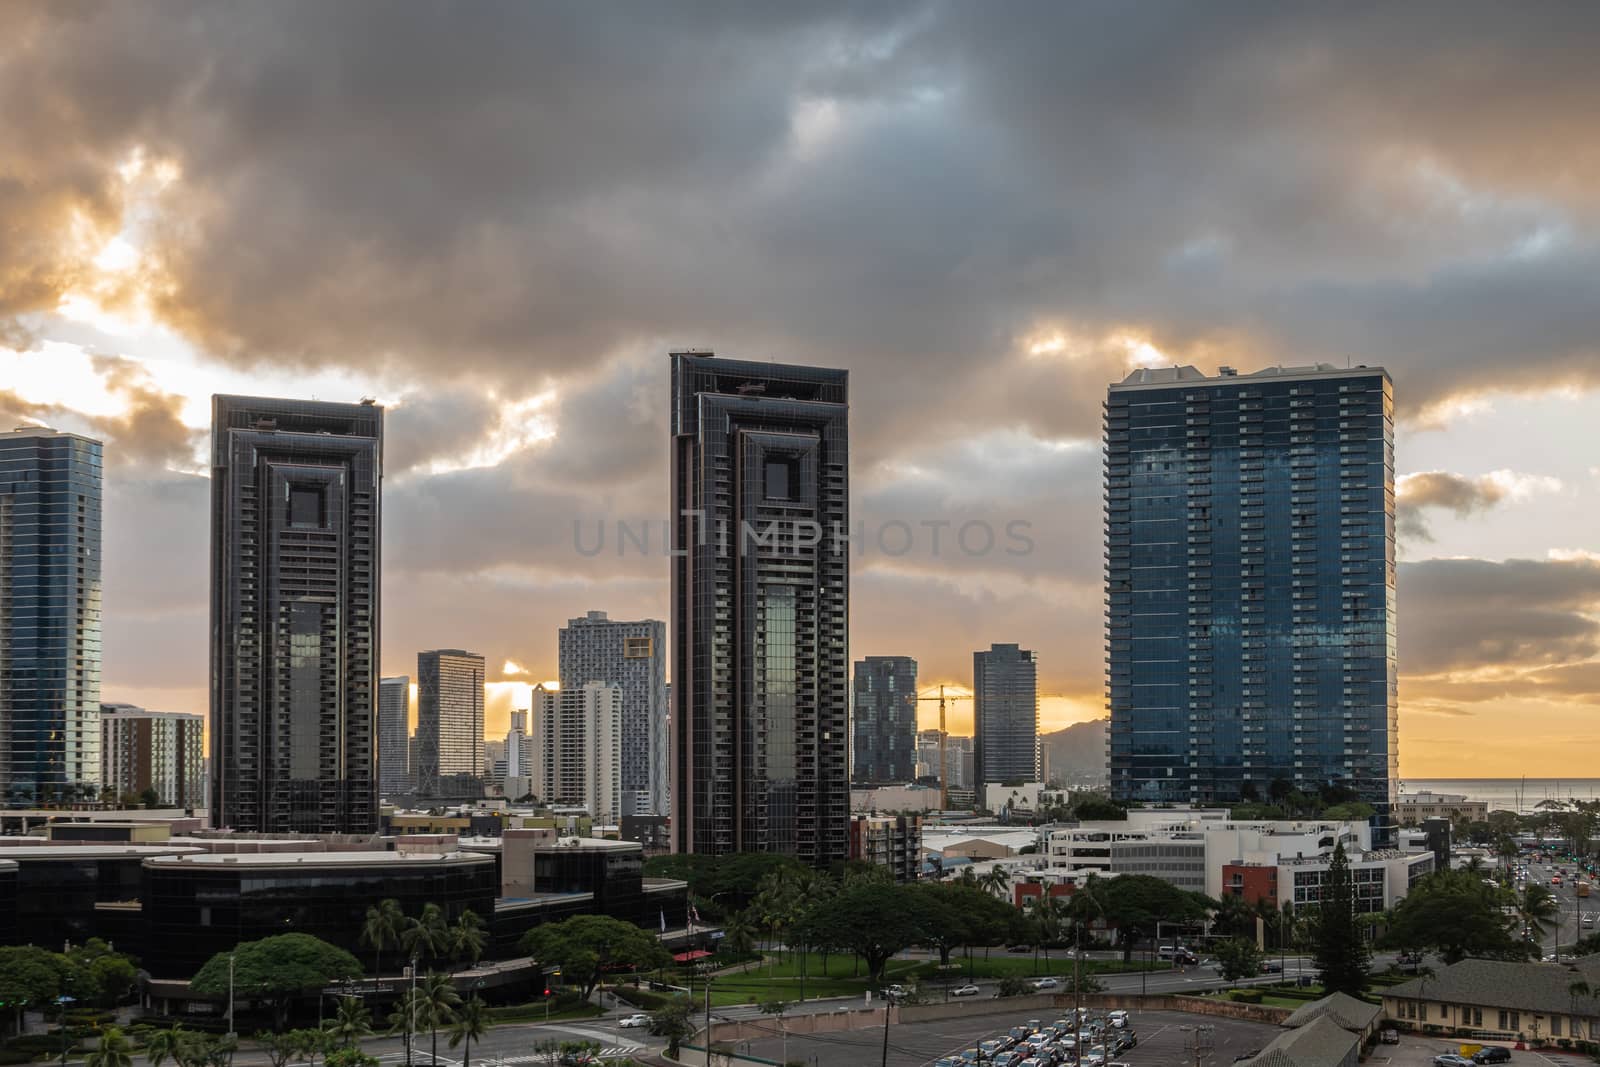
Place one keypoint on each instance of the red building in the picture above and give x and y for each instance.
(1250, 882)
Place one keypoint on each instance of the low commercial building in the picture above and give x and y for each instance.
(1022, 797)
(1322, 1043)
(1357, 1016)
(895, 798)
(1413, 808)
(1509, 1001)
(198, 904)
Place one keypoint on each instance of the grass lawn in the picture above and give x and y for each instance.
(843, 976)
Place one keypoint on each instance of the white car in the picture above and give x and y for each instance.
(639, 1019)
(1046, 983)
(1118, 1018)
(968, 990)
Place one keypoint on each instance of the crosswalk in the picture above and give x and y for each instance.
(607, 1052)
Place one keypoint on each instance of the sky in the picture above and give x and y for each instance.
(499, 218)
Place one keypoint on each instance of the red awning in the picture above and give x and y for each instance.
(693, 954)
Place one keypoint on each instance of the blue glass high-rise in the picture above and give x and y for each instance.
(49, 617)
(1250, 585)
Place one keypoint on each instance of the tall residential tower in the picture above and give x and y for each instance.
(1250, 584)
(449, 723)
(633, 657)
(295, 580)
(760, 608)
(49, 617)
(1005, 716)
(394, 726)
(885, 719)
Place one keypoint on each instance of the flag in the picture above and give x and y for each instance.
(694, 913)
(663, 920)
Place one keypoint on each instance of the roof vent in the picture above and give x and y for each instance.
(1227, 372)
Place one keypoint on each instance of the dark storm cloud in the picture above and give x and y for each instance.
(1469, 614)
(522, 190)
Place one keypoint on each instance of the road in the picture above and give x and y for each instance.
(1573, 907)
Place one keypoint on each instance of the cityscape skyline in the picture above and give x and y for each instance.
(983, 231)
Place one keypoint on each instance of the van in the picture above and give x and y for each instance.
(1177, 954)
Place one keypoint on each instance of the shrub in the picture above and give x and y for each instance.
(1246, 996)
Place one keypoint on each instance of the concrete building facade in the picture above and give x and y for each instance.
(449, 720)
(394, 731)
(160, 751)
(633, 657)
(577, 740)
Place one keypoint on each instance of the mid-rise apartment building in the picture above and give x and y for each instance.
(161, 752)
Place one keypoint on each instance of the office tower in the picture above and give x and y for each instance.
(296, 534)
(1250, 584)
(1005, 715)
(760, 608)
(394, 725)
(633, 657)
(885, 721)
(578, 737)
(49, 617)
(449, 722)
(159, 752)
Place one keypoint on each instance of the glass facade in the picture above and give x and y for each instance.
(884, 698)
(760, 608)
(1005, 715)
(295, 581)
(49, 617)
(394, 729)
(196, 907)
(1250, 585)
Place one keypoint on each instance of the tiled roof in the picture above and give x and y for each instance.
(1347, 1011)
(1538, 987)
(1320, 1043)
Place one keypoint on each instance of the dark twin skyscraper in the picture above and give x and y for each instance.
(885, 719)
(760, 608)
(295, 569)
(1250, 584)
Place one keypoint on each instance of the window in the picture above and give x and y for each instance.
(636, 648)
(305, 507)
(782, 478)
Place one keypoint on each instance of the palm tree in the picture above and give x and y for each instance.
(115, 1050)
(351, 1024)
(1538, 909)
(437, 1001)
(467, 937)
(738, 934)
(996, 880)
(400, 1017)
(162, 1045)
(472, 1020)
(427, 936)
(1048, 913)
(382, 929)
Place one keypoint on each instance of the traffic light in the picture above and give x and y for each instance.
(547, 991)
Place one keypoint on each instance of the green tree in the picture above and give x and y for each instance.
(349, 1057)
(350, 1023)
(276, 969)
(311, 1043)
(426, 936)
(672, 1021)
(1238, 958)
(1013, 986)
(149, 798)
(468, 938)
(114, 1050)
(584, 944)
(1538, 909)
(471, 1023)
(436, 1004)
(1136, 903)
(1454, 914)
(738, 934)
(1340, 951)
(382, 929)
(29, 974)
(873, 920)
(995, 880)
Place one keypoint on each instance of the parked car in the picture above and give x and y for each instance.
(1450, 1059)
(1118, 1018)
(1389, 1036)
(637, 1019)
(1492, 1054)
(968, 990)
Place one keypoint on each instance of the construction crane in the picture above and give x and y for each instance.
(944, 760)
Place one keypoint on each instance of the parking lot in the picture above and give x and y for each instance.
(1416, 1051)
(1165, 1038)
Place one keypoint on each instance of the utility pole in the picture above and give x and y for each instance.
(708, 1019)
(231, 1032)
(411, 1011)
(887, 1004)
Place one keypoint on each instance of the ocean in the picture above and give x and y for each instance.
(1508, 794)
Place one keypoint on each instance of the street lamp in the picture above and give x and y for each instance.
(63, 1001)
(231, 1032)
